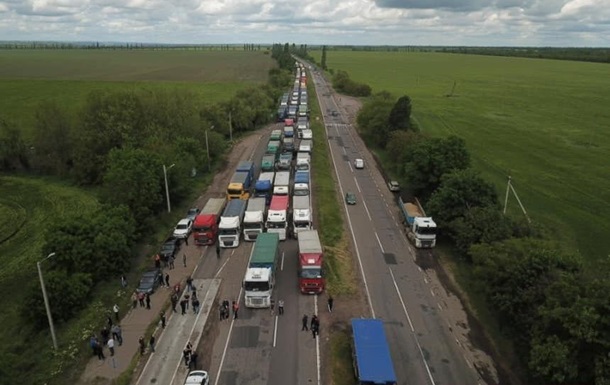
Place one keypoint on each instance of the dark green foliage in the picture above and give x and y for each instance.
(426, 161)
(67, 293)
(13, 151)
(398, 148)
(372, 119)
(134, 178)
(323, 59)
(400, 116)
(52, 143)
(343, 84)
(479, 225)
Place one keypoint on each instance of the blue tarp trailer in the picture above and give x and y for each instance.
(372, 360)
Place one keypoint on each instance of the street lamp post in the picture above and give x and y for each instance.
(207, 147)
(46, 301)
(165, 169)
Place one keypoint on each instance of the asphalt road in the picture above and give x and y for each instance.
(422, 347)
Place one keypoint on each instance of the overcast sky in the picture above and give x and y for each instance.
(360, 22)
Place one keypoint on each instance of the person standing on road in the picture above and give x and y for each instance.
(235, 309)
(134, 300)
(148, 301)
(110, 345)
(183, 305)
(174, 300)
(280, 307)
(186, 240)
(115, 309)
(217, 248)
(305, 319)
(171, 262)
(162, 320)
(272, 306)
(330, 303)
(151, 343)
(195, 305)
(186, 354)
(141, 297)
(167, 280)
(99, 350)
(142, 345)
(193, 363)
(189, 283)
(314, 330)
(184, 259)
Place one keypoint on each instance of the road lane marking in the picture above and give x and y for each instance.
(351, 230)
(367, 210)
(402, 302)
(439, 306)
(424, 359)
(378, 241)
(432, 292)
(282, 265)
(224, 351)
(425, 280)
(357, 185)
(318, 365)
(349, 164)
(222, 267)
(275, 332)
(344, 152)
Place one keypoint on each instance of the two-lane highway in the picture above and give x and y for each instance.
(423, 349)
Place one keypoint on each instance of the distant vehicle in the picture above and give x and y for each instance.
(394, 186)
(350, 198)
(169, 247)
(183, 228)
(359, 164)
(334, 113)
(197, 377)
(149, 281)
(192, 213)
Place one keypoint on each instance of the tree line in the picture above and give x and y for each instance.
(116, 145)
(553, 310)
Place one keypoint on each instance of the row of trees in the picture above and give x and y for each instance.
(345, 85)
(552, 310)
(117, 144)
(599, 55)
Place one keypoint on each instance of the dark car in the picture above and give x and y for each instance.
(149, 281)
(350, 198)
(169, 248)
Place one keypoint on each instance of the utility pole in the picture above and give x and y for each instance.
(165, 169)
(46, 301)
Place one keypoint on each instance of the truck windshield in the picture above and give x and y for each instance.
(253, 226)
(201, 229)
(426, 230)
(234, 191)
(256, 286)
(276, 225)
(300, 192)
(228, 231)
(301, 224)
(311, 272)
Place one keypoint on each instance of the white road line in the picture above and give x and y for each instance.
(378, 241)
(222, 267)
(318, 365)
(357, 185)
(367, 210)
(439, 306)
(404, 307)
(432, 292)
(424, 359)
(349, 164)
(282, 265)
(421, 271)
(344, 152)
(224, 351)
(190, 334)
(275, 332)
(425, 280)
(366, 286)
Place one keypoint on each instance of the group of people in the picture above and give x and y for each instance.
(110, 335)
(224, 309)
(190, 356)
(314, 326)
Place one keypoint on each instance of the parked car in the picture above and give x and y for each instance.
(359, 164)
(350, 198)
(170, 247)
(394, 186)
(192, 213)
(149, 281)
(183, 228)
(334, 113)
(197, 377)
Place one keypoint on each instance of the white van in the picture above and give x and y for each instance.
(359, 164)
(307, 134)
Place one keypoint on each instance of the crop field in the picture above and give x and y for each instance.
(28, 77)
(543, 122)
(27, 206)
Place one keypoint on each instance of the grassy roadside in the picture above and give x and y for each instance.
(338, 265)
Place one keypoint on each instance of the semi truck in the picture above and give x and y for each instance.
(277, 216)
(231, 221)
(260, 276)
(303, 161)
(311, 257)
(205, 225)
(264, 185)
(276, 135)
(301, 214)
(273, 148)
(281, 183)
(305, 146)
(420, 229)
(268, 162)
(371, 353)
(254, 218)
(284, 161)
(301, 183)
(239, 187)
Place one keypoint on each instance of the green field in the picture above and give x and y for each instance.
(543, 122)
(28, 77)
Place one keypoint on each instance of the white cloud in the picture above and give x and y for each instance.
(421, 22)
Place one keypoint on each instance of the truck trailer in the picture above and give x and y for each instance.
(260, 276)
(231, 221)
(205, 225)
(264, 185)
(371, 353)
(254, 218)
(277, 216)
(311, 258)
(281, 183)
(421, 230)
